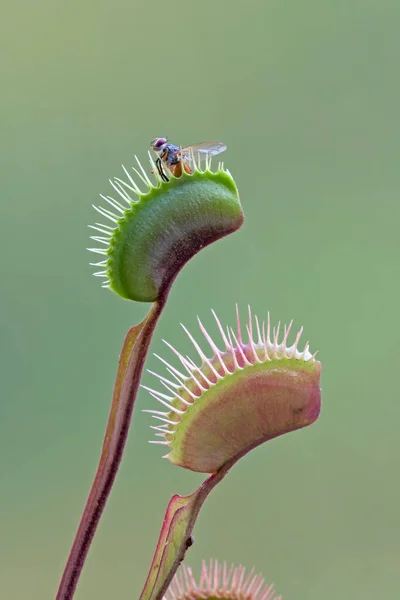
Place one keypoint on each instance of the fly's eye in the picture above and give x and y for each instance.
(158, 143)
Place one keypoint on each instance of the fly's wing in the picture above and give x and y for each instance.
(203, 149)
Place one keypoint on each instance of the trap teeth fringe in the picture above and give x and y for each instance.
(217, 581)
(262, 347)
(130, 193)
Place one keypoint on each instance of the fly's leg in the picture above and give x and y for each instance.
(187, 167)
(161, 170)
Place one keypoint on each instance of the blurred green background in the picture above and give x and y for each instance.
(306, 95)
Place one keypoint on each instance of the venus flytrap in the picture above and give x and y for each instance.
(219, 581)
(255, 388)
(252, 388)
(243, 395)
(156, 231)
(147, 234)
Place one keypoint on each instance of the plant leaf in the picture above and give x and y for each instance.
(180, 518)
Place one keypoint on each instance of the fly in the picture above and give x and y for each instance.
(177, 159)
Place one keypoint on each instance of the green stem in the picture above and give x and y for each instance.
(130, 367)
(179, 520)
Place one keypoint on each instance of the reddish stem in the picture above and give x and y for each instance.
(130, 367)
